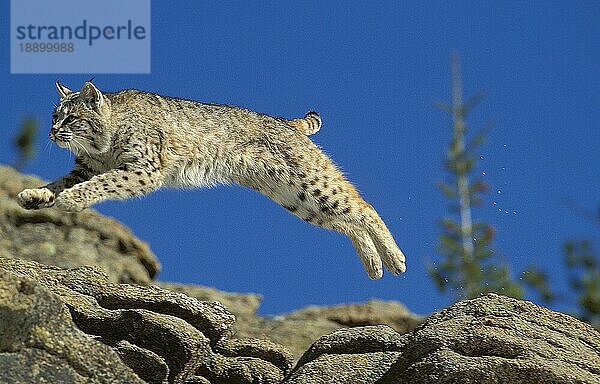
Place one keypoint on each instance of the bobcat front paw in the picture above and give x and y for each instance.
(68, 203)
(36, 198)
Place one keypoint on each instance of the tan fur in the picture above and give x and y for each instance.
(131, 143)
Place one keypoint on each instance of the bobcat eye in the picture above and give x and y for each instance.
(69, 119)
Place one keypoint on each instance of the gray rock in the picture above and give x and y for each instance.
(299, 329)
(296, 335)
(355, 368)
(39, 343)
(150, 366)
(358, 340)
(239, 370)
(69, 240)
(158, 335)
(264, 349)
(492, 339)
(350, 355)
(242, 305)
(496, 339)
(372, 312)
(78, 325)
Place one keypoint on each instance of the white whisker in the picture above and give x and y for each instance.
(47, 148)
(70, 151)
(75, 147)
(82, 146)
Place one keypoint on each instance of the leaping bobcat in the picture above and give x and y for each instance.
(131, 143)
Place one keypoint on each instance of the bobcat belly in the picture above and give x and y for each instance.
(194, 174)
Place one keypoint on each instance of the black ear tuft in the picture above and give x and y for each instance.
(62, 90)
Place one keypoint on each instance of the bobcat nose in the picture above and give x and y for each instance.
(61, 134)
(55, 132)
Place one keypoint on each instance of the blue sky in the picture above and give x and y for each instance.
(373, 71)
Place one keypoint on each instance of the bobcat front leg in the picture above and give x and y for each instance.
(112, 185)
(45, 196)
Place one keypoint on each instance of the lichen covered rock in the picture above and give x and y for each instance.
(69, 240)
(78, 318)
(492, 339)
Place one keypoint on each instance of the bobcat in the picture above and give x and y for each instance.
(131, 143)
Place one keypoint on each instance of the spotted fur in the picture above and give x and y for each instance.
(131, 143)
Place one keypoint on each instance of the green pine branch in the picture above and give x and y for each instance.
(468, 264)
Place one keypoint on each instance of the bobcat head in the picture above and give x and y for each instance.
(81, 120)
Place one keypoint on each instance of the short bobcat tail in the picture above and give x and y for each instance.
(309, 124)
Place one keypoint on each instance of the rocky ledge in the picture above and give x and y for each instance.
(75, 326)
(67, 315)
(52, 237)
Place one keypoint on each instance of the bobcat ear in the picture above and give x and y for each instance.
(92, 95)
(62, 90)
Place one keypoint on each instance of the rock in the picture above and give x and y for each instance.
(346, 368)
(496, 339)
(372, 312)
(358, 340)
(491, 339)
(227, 370)
(264, 349)
(69, 240)
(242, 305)
(39, 343)
(350, 355)
(148, 333)
(75, 324)
(295, 335)
(299, 329)
(83, 239)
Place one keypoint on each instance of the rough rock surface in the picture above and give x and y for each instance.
(349, 355)
(78, 325)
(492, 339)
(40, 344)
(87, 238)
(69, 240)
(372, 312)
(299, 329)
(73, 325)
(242, 305)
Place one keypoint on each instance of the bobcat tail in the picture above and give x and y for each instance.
(309, 124)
